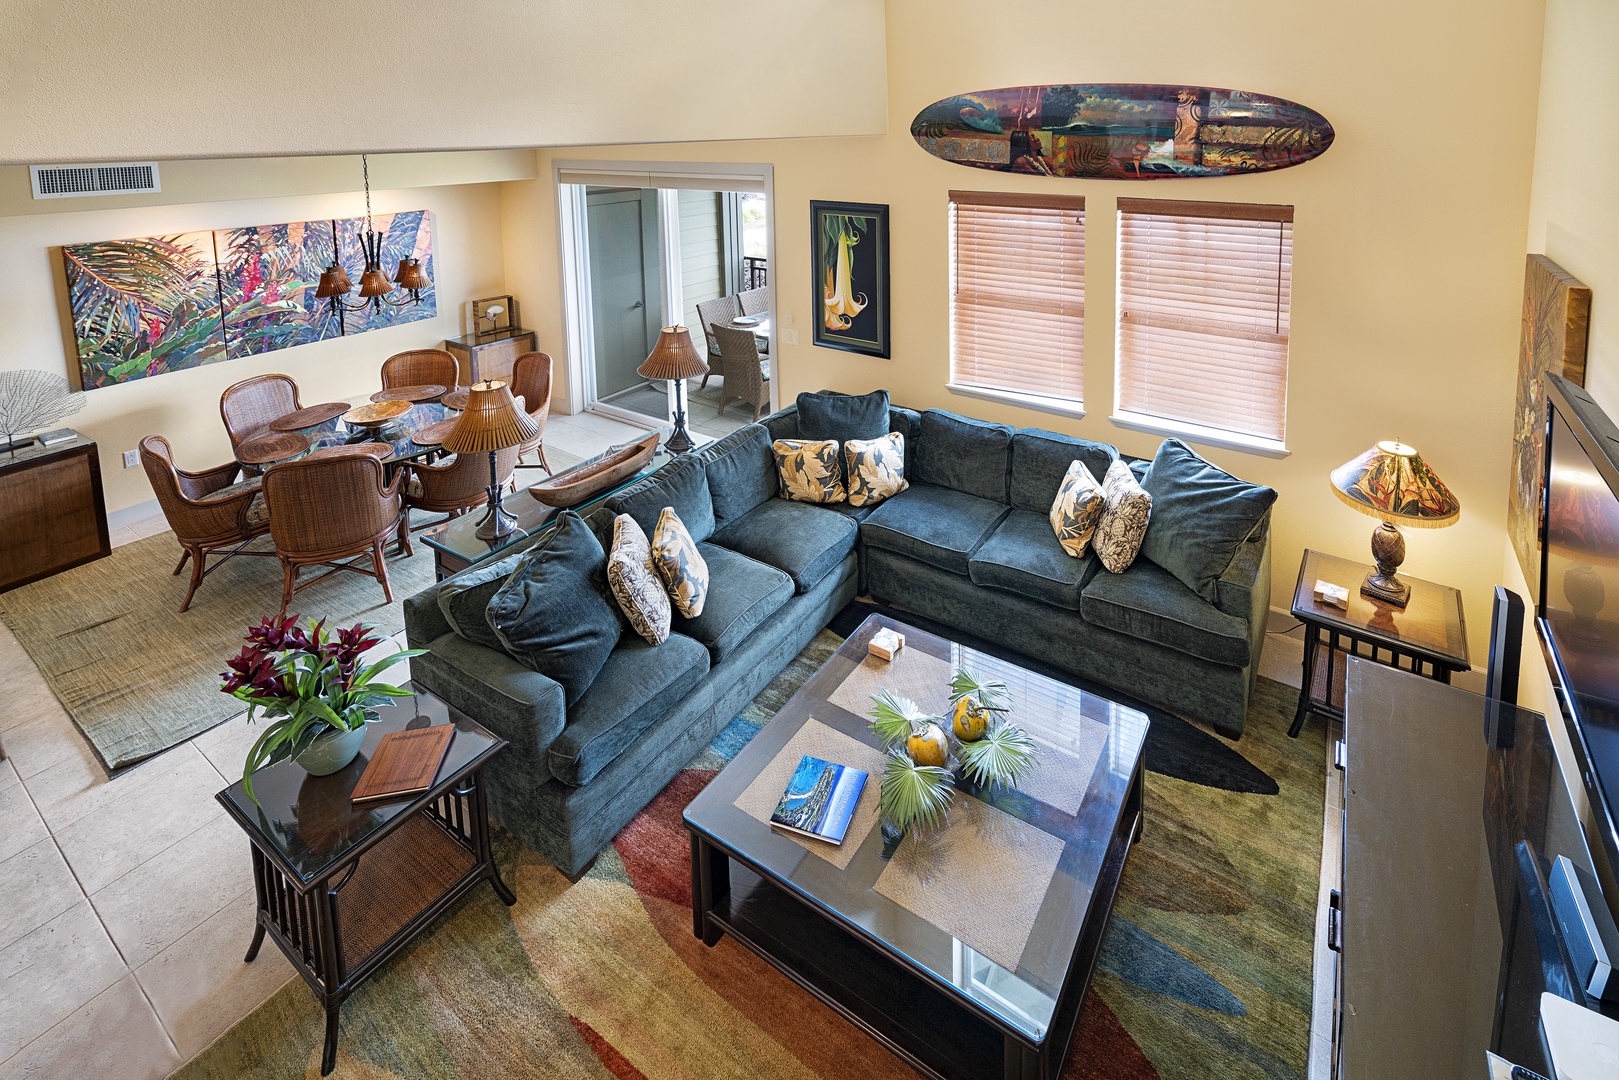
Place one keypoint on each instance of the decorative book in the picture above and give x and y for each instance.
(820, 800)
(406, 763)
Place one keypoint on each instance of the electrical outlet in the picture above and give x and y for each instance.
(132, 458)
(789, 337)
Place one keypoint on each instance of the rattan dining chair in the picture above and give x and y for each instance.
(711, 313)
(332, 511)
(754, 301)
(455, 484)
(531, 381)
(249, 406)
(207, 512)
(420, 367)
(742, 369)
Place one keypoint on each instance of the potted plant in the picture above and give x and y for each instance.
(309, 681)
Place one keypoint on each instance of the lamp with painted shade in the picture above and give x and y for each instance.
(490, 423)
(1392, 482)
(675, 358)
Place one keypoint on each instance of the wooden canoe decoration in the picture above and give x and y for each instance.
(593, 477)
(1121, 131)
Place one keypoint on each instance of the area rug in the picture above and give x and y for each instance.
(139, 677)
(1205, 971)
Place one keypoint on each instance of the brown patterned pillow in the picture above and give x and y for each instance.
(635, 583)
(1124, 519)
(875, 468)
(1077, 509)
(808, 470)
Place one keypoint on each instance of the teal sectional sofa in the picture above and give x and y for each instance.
(968, 545)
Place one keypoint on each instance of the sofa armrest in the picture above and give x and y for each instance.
(1243, 590)
(424, 621)
(515, 702)
(782, 424)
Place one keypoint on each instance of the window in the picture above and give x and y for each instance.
(1204, 294)
(1017, 298)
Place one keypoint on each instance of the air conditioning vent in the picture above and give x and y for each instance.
(112, 178)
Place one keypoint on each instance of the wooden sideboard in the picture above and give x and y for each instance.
(489, 357)
(53, 514)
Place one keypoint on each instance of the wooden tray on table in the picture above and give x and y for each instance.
(582, 482)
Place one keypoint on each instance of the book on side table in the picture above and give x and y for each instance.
(819, 800)
(406, 763)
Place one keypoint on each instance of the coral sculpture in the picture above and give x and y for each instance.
(31, 399)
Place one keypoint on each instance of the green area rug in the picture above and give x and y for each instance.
(1206, 969)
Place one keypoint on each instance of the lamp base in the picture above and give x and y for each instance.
(1388, 551)
(679, 442)
(497, 520)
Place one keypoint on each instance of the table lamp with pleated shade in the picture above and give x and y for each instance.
(1392, 482)
(490, 423)
(676, 359)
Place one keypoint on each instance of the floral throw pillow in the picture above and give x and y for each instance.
(1119, 533)
(1077, 509)
(679, 564)
(635, 583)
(808, 470)
(875, 468)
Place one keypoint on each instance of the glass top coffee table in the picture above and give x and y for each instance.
(968, 952)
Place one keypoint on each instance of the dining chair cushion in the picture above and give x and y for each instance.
(874, 469)
(1077, 509)
(464, 600)
(1119, 533)
(635, 582)
(555, 614)
(826, 415)
(679, 564)
(809, 470)
(258, 513)
(230, 491)
(1201, 514)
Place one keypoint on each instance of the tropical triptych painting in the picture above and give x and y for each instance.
(157, 304)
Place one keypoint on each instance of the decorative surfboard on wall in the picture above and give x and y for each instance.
(1121, 131)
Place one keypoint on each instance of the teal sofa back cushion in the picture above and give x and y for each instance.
(1201, 514)
(741, 472)
(555, 613)
(963, 454)
(682, 484)
(827, 415)
(1040, 459)
(464, 600)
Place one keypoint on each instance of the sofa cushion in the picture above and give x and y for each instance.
(1201, 514)
(1023, 556)
(1147, 603)
(679, 564)
(555, 613)
(682, 484)
(827, 415)
(937, 525)
(638, 685)
(464, 600)
(741, 472)
(874, 469)
(743, 593)
(803, 541)
(1040, 460)
(965, 455)
(809, 470)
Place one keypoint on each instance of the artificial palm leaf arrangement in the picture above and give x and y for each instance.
(917, 783)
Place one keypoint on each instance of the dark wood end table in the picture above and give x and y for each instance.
(342, 888)
(1427, 637)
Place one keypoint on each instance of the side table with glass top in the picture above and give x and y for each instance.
(342, 888)
(1427, 637)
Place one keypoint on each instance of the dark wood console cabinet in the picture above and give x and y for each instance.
(491, 356)
(53, 514)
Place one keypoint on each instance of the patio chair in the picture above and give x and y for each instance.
(420, 367)
(332, 511)
(754, 301)
(742, 369)
(455, 484)
(712, 313)
(207, 512)
(531, 381)
(249, 406)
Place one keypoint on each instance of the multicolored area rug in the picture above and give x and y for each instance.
(1205, 970)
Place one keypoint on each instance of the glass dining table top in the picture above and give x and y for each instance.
(398, 433)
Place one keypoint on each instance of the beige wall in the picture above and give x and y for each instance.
(1408, 236)
(184, 405)
(99, 80)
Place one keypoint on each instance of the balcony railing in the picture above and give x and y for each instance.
(755, 272)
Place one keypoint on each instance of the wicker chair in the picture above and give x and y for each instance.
(712, 313)
(754, 301)
(324, 511)
(531, 381)
(455, 484)
(207, 512)
(250, 405)
(743, 369)
(420, 367)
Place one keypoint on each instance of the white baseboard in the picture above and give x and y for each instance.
(117, 519)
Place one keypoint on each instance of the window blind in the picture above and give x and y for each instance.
(1017, 293)
(1204, 296)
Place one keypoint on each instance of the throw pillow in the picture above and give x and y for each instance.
(875, 468)
(635, 583)
(1201, 514)
(808, 470)
(679, 564)
(464, 599)
(843, 416)
(1077, 509)
(1123, 524)
(554, 613)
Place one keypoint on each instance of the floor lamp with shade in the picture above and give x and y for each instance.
(490, 423)
(675, 358)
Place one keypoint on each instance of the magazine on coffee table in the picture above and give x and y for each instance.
(820, 800)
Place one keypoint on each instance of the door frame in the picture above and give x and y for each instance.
(570, 178)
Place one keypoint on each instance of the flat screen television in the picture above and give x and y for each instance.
(1577, 614)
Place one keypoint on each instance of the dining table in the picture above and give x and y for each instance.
(760, 325)
(398, 434)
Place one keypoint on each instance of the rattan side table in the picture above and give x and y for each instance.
(342, 888)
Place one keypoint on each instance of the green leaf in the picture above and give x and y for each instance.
(912, 795)
(990, 693)
(1002, 757)
(895, 717)
(385, 663)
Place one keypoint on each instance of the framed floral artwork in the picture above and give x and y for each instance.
(850, 276)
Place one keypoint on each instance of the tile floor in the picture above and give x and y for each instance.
(126, 905)
(702, 407)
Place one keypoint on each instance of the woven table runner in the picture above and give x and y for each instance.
(760, 799)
